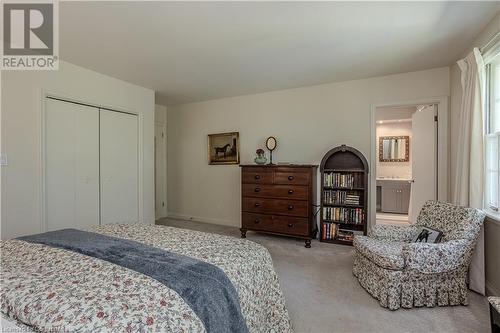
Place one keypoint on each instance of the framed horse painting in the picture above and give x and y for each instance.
(224, 148)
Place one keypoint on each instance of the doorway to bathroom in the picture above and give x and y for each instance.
(408, 160)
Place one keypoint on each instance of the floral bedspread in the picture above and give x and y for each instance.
(52, 289)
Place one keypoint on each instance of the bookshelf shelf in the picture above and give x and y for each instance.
(341, 222)
(344, 170)
(343, 188)
(326, 204)
(344, 195)
(337, 241)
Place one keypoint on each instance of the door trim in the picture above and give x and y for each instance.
(442, 103)
(44, 94)
(163, 210)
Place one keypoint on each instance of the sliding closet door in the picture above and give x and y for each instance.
(71, 165)
(119, 167)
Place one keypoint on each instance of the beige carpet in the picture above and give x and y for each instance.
(323, 296)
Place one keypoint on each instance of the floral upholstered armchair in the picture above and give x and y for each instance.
(400, 273)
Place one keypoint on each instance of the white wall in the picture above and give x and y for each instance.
(306, 121)
(20, 114)
(492, 228)
(394, 169)
(160, 114)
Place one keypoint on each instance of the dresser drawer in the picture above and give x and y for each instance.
(275, 191)
(292, 178)
(276, 206)
(273, 223)
(251, 176)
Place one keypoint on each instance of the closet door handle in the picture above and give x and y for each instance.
(291, 177)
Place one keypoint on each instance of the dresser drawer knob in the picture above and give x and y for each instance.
(257, 189)
(290, 191)
(257, 204)
(290, 207)
(291, 177)
(257, 221)
(290, 225)
(257, 177)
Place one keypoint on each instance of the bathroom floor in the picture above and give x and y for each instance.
(393, 219)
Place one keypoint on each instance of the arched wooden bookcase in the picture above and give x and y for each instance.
(344, 195)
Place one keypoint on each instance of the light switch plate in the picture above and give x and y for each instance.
(3, 159)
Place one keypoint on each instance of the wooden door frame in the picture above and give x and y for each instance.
(44, 94)
(443, 150)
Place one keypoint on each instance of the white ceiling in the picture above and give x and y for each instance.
(198, 51)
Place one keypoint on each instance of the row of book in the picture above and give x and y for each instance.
(340, 197)
(330, 231)
(348, 180)
(344, 215)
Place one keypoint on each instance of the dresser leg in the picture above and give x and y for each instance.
(243, 233)
(308, 243)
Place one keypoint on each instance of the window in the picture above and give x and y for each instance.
(492, 139)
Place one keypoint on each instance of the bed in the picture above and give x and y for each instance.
(49, 288)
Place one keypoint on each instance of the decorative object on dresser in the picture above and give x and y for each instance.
(279, 200)
(261, 158)
(224, 148)
(344, 195)
(271, 144)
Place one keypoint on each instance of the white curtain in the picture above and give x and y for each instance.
(469, 176)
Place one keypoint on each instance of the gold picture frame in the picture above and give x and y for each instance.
(224, 148)
(402, 147)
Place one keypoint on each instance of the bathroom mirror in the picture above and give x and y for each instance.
(394, 149)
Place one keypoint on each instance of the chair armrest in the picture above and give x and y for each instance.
(393, 232)
(429, 258)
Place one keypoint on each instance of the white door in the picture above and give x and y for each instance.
(71, 165)
(119, 167)
(424, 158)
(160, 171)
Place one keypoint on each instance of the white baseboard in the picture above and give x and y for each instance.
(231, 223)
(490, 290)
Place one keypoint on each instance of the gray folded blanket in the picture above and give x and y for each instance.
(204, 287)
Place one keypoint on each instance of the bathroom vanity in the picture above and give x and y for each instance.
(393, 195)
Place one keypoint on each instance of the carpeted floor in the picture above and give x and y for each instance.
(323, 296)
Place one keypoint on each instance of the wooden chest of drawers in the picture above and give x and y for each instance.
(279, 200)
